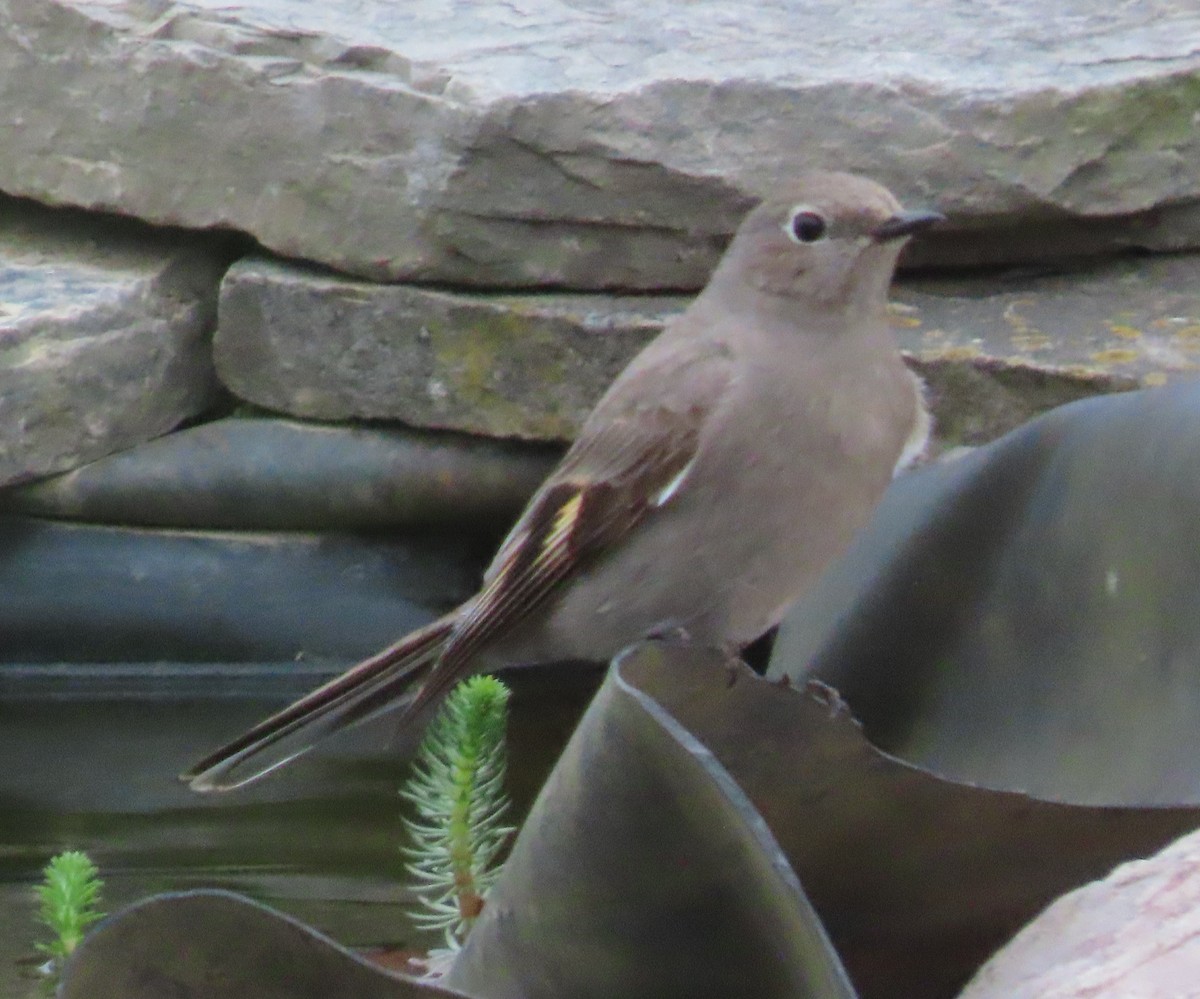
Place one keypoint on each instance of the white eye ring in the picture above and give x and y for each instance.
(805, 225)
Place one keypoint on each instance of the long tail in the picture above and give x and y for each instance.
(356, 694)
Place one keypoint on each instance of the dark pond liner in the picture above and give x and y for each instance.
(276, 474)
(916, 878)
(211, 944)
(87, 593)
(1028, 617)
(643, 870)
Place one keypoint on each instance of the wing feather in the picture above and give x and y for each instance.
(606, 484)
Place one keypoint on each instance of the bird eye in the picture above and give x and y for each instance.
(805, 226)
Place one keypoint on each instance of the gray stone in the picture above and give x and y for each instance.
(103, 336)
(1136, 934)
(995, 351)
(999, 349)
(610, 144)
(318, 346)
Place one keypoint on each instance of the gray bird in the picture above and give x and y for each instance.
(723, 469)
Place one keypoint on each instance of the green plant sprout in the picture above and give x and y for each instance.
(69, 893)
(457, 786)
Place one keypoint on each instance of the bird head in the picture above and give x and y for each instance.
(828, 240)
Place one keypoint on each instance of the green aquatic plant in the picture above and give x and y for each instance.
(457, 787)
(70, 894)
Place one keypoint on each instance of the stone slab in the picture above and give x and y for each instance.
(612, 144)
(104, 336)
(995, 350)
(317, 346)
(998, 349)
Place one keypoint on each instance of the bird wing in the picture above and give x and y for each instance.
(632, 455)
(630, 459)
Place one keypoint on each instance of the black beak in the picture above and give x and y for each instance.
(904, 224)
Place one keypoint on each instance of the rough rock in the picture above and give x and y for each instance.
(610, 144)
(1135, 934)
(266, 474)
(104, 333)
(322, 347)
(999, 349)
(994, 350)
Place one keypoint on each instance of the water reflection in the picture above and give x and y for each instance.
(88, 758)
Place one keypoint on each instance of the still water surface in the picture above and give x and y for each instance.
(88, 758)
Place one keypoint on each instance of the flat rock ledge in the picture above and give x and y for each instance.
(321, 347)
(104, 336)
(499, 166)
(999, 349)
(611, 145)
(994, 351)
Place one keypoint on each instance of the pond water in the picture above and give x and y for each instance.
(88, 758)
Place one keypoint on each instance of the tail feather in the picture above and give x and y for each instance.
(355, 695)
